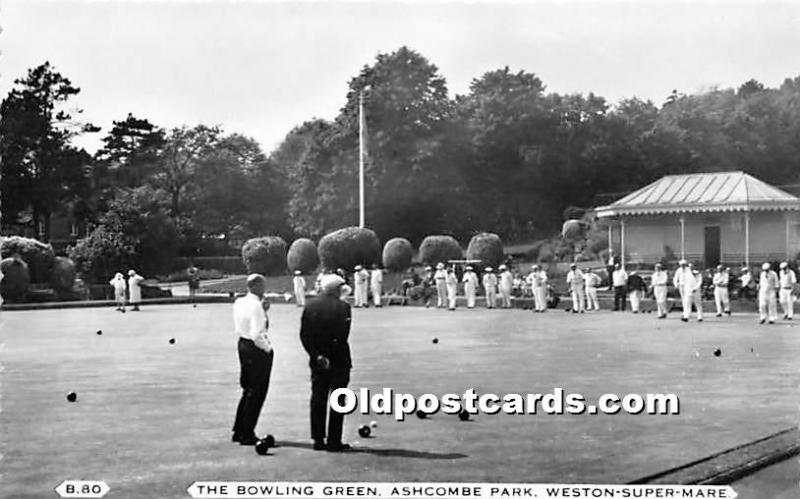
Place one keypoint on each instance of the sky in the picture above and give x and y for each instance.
(261, 68)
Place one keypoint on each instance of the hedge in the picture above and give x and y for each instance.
(16, 279)
(348, 247)
(265, 255)
(486, 247)
(397, 254)
(37, 255)
(435, 249)
(302, 256)
(63, 276)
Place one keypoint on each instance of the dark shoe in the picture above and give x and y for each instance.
(684, 319)
(699, 320)
(338, 447)
(249, 440)
(320, 445)
(729, 313)
(719, 315)
(763, 321)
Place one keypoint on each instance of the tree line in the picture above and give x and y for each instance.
(507, 157)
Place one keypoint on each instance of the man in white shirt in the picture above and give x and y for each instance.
(537, 280)
(658, 282)
(440, 277)
(255, 357)
(619, 280)
(787, 279)
(768, 284)
(685, 283)
(490, 287)
(299, 283)
(721, 281)
(506, 285)
(593, 280)
(576, 282)
(376, 285)
(359, 283)
(470, 280)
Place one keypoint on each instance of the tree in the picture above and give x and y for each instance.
(41, 170)
(183, 151)
(130, 152)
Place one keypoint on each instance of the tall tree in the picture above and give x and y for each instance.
(130, 152)
(41, 170)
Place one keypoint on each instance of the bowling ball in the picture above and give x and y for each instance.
(463, 415)
(421, 414)
(364, 431)
(172, 341)
(99, 332)
(262, 447)
(72, 396)
(717, 352)
(435, 341)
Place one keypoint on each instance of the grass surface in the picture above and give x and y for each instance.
(152, 418)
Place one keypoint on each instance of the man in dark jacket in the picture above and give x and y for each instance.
(324, 332)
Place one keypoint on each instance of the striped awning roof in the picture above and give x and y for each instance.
(702, 193)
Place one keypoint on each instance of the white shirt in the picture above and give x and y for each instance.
(788, 279)
(684, 279)
(620, 278)
(768, 281)
(721, 279)
(659, 278)
(575, 279)
(299, 284)
(119, 284)
(489, 281)
(592, 280)
(376, 277)
(506, 280)
(470, 278)
(250, 321)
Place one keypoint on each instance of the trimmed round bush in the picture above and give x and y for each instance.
(63, 276)
(348, 247)
(16, 279)
(265, 255)
(37, 255)
(435, 249)
(397, 254)
(486, 247)
(302, 256)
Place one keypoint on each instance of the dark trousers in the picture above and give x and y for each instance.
(322, 384)
(256, 366)
(619, 297)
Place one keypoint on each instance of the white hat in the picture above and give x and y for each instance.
(488, 269)
(682, 262)
(330, 283)
(745, 269)
(784, 265)
(765, 266)
(428, 268)
(573, 265)
(297, 272)
(131, 272)
(469, 267)
(359, 267)
(535, 267)
(440, 265)
(502, 267)
(118, 276)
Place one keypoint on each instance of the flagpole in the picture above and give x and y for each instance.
(361, 158)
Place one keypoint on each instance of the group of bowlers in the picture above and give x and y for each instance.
(127, 291)
(772, 287)
(324, 334)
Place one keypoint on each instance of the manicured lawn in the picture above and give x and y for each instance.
(151, 417)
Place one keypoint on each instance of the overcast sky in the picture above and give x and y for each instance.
(260, 68)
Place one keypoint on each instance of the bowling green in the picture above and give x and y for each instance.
(152, 417)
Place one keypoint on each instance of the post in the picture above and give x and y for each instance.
(361, 158)
(622, 243)
(746, 239)
(788, 229)
(683, 238)
(610, 237)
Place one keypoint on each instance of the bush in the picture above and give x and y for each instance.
(435, 249)
(397, 254)
(302, 256)
(348, 247)
(486, 247)
(265, 255)
(37, 255)
(63, 276)
(16, 279)
(102, 253)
